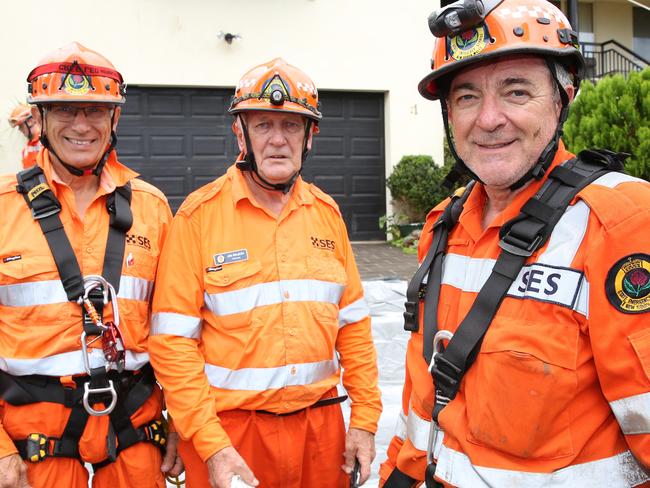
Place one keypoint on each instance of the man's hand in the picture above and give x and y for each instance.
(172, 464)
(225, 464)
(359, 444)
(13, 472)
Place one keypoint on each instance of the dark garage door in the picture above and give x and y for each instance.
(180, 139)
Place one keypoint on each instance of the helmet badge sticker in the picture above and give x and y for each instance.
(468, 43)
(76, 84)
(275, 90)
(628, 284)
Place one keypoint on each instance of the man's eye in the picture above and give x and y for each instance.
(519, 93)
(63, 109)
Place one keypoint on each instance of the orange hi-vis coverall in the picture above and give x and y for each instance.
(40, 329)
(253, 312)
(30, 151)
(559, 395)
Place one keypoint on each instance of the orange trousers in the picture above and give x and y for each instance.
(293, 451)
(138, 466)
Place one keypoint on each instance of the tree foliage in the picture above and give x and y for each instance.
(614, 114)
(416, 185)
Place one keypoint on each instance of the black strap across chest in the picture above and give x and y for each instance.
(45, 209)
(520, 238)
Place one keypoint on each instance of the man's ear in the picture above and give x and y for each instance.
(239, 133)
(116, 117)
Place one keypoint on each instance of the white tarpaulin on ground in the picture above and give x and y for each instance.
(386, 301)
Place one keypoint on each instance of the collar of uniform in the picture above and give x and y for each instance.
(114, 173)
(472, 214)
(300, 194)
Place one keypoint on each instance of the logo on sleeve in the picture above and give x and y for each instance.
(628, 284)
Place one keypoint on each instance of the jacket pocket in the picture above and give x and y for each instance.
(231, 298)
(520, 388)
(329, 274)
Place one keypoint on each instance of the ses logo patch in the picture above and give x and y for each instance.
(326, 244)
(140, 241)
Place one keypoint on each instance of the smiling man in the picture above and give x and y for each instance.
(258, 307)
(529, 358)
(75, 290)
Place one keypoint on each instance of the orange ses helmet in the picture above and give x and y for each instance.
(276, 86)
(472, 31)
(74, 73)
(19, 114)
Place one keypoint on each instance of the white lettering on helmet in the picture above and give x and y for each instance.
(306, 87)
(246, 83)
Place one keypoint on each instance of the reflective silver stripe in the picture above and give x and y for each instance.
(633, 413)
(246, 299)
(51, 291)
(621, 470)
(67, 363)
(132, 288)
(175, 324)
(417, 430)
(261, 379)
(614, 179)
(542, 282)
(354, 312)
(567, 236)
(34, 293)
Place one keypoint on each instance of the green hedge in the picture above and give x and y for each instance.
(614, 114)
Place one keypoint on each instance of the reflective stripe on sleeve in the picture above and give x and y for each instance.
(175, 324)
(633, 413)
(67, 363)
(354, 312)
(621, 470)
(262, 294)
(51, 291)
(261, 379)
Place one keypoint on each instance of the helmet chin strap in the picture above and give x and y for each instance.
(543, 162)
(73, 170)
(249, 163)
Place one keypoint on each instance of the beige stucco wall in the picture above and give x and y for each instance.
(378, 45)
(613, 20)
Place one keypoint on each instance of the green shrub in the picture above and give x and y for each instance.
(416, 185)
(614, 114)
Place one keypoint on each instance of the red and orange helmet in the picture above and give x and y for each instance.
(471, 31)
(20, 114)
(74, 73)
(276, 86)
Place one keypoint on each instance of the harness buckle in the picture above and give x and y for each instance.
(98, 391)
(518, 247)
(156, 433)
(36, 447)
(46, 212)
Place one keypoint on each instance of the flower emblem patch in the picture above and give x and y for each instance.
(628, 284)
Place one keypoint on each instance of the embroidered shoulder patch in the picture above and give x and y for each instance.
(628, 284)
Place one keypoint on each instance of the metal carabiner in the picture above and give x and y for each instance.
(107, 389)
(92, 282)
(441, 335)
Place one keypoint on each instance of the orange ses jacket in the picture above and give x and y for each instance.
(253, 312)
(30, 152)
(559, 395)
(39, 328)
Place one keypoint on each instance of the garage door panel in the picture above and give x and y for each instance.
(166, 106)
(214, 146)
(180, 139)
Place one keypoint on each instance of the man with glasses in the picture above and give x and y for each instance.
(79, 247)
(21, 118)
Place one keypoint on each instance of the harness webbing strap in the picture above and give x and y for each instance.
(118, 205)
(520, 238)
(45, 209)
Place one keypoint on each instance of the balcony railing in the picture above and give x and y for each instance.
(609, 58)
